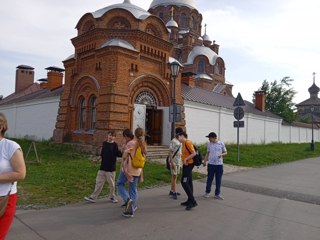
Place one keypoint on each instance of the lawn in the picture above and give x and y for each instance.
(66, 176)
(267, 154)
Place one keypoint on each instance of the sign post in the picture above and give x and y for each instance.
(238, 115)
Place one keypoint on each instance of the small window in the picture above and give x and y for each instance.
(93, 112)
(82, 113)
(201, 67)
(161, 15)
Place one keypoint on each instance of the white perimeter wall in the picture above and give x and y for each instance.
(34, 119)
(202, 119)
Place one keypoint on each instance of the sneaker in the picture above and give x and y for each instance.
(186, 203)
(127, 214)
(172, 193)
(175, 196)
(129, 207)
(192, 205)
(207, 195)
(90, 199)
(113, 200)
(218, 197)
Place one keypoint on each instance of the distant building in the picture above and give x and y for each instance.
(311, 106)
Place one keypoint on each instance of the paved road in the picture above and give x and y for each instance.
(298, 181)
(242, 215)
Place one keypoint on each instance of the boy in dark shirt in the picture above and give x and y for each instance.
(107, 172)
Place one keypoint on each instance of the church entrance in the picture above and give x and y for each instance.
(147, 116)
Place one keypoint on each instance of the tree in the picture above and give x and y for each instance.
(279, 98)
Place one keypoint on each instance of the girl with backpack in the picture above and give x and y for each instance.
(134, 159)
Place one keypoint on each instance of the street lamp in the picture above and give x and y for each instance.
(312, 139)
(175, 68)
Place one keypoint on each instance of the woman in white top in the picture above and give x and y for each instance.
(12, 169)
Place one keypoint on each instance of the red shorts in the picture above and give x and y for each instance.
(7, 218)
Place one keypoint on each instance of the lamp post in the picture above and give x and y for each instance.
(312, 120)
(174, 67)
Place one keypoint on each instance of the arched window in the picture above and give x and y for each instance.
(201, 67)
(82, 113)
(93, 112)
(193, 25)
(161, 15)
(183, 21)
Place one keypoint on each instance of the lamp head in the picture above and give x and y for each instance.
(175, 68)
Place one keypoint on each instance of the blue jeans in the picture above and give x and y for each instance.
(133, 191)
(217, 172)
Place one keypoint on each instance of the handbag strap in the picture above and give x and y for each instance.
(176, 152)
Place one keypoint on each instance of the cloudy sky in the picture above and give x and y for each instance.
(258, 39)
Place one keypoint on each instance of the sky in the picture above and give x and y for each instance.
(259, 40)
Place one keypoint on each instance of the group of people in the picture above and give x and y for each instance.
(128, 173)
(181, 154)
(182, 151)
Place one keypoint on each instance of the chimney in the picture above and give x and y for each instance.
(260, 101)
(54, 78)
(24, 77)
(188, 79)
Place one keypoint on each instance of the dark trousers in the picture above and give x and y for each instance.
(186, 182)
(214, 171)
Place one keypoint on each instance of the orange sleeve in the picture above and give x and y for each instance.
(190, 146)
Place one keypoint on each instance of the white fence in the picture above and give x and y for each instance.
(34, 120)
(202, 119)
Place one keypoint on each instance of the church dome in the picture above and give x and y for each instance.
(202, 51)
(314, 89)
(136, 11)
(172, 24)
(187, 3)
(206, 37)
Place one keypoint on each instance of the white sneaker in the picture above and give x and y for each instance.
(90, 199)
(207, 195)
(114, 200)
(218, 197)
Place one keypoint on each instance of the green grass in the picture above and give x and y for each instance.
(66, 176)
(267, 154)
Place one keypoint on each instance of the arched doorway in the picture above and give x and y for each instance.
(147, 116)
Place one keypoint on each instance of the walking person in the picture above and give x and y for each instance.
(175, 162)
(214, 157)
(188, 152)
(12, 169)
(107, 172)
(131, 173)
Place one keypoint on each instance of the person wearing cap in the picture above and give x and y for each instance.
(214, 157)
(175, 151)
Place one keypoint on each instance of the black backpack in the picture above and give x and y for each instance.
(197, 159)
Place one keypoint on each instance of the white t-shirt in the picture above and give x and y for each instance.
(7, 149)
(215, 150)
(174, 146)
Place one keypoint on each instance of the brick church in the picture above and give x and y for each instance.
(119, 77)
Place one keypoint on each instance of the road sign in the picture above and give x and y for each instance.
(238, 124)
(238, 113)
(178, 113)
(239, 101)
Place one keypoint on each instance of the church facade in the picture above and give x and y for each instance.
(119, 75)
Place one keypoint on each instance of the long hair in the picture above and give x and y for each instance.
(139, 134)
